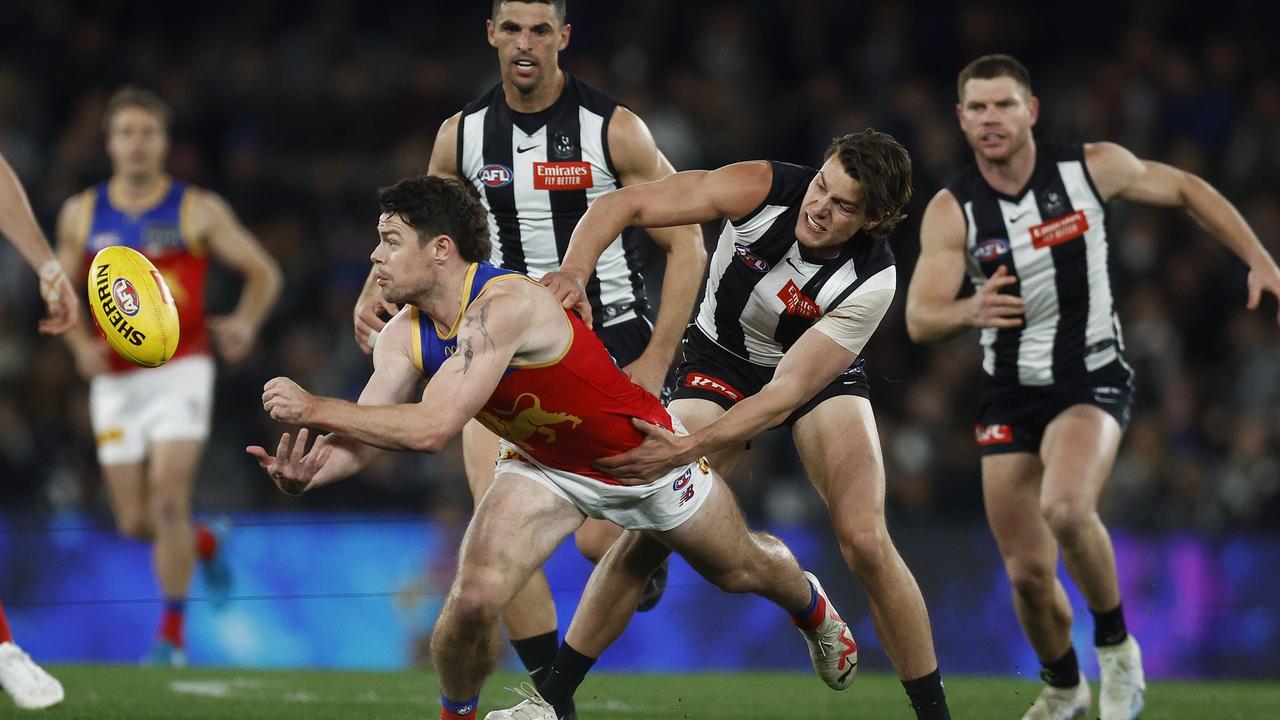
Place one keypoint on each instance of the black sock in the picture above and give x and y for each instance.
(1108, 627)
(1063, 672)
(927, 697)
(570, 668)
(538, 654)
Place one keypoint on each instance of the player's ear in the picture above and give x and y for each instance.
(1033, 107)
(565, 31)
(488, 31)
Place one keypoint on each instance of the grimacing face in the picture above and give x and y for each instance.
(996, 115)
(833, 210)
(529, 38)
(137, 142)
(402, 267)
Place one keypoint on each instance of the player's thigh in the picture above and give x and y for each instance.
(1011, 496)
(695, 414)
(715, 541)
(517, 525)
(479, 457)
(127, 494)
(1078, 450)
(171, 472)
(839, 446)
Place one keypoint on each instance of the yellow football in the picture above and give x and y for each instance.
(132, 306)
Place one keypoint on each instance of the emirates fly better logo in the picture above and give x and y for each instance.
(798, 303)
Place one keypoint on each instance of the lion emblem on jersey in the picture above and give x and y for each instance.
(520, 426)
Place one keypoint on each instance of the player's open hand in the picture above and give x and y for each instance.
(233, 337)
(293, 466)
(371, 315)
(286, 402)
(660, 451)
(989, 308)
(64, 306)
(1264, 279)
(571, 293)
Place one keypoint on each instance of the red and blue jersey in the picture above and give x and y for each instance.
(564, 413)
(159, 233)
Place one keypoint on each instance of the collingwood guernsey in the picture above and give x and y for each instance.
(1052, 238)
(765, 290)
(536, 174)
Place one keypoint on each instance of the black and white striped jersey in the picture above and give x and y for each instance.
(765, 290)
(536, 173)
(1053, 238)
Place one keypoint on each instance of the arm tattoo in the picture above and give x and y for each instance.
(474, 321)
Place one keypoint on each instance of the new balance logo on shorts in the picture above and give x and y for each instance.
(993, 435)
(683, 486)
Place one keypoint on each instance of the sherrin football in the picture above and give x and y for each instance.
(132, 306)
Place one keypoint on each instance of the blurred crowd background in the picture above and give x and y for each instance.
(297, 112)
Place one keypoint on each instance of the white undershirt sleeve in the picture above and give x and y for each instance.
(851, 323)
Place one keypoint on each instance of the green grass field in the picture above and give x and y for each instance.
(129, 693)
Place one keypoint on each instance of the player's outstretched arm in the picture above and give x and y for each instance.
(491, 331)
(296, 469)
(812, 363)
(234, 246)
(684, 198)
(18, 223)
(934, 314)
(90, 355)
(1117, 172)
(639, 160)
(371, 312)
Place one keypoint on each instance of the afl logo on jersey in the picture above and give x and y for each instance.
(126, 296)
(750, 259)
(494, 175)
(989, 250)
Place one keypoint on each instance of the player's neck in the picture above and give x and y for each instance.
(137, 192)
(1011, 175)
(540, 99)
(442, 302)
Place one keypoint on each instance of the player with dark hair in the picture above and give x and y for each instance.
(800, 279)
(1028, 223)
(540, 147)
(498, 347)
(151, 423)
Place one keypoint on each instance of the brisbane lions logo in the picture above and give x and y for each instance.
(126, 296)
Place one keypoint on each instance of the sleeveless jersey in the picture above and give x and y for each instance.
(536, 174)
(160, 235)
(564, 413)
(1052, 237)
(764, 290)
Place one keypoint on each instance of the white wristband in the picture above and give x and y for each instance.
(51, 278)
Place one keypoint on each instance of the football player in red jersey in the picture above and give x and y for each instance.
(151, 424)
(498, 347)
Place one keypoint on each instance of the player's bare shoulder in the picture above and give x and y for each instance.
(520, 312)
(943, 225)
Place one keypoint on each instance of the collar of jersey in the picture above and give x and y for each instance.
(467, 282)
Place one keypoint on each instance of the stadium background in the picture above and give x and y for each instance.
(297, 111)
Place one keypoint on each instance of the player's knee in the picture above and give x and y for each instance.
(865, 546)
(1031, 580)
(1067, 518)
(135, 526)
(476, 604)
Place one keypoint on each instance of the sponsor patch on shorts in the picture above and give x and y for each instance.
(992, 435)
(698, 381)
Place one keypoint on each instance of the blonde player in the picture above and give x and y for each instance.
(151, 424)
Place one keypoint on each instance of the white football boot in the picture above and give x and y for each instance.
(1056, 703)
(831, 646)
(1123, 683)
(533, 707)
(26, 682)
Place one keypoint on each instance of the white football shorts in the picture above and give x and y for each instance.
(131, 410)
(661, 505)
